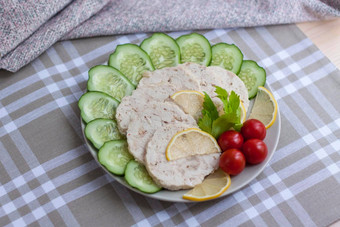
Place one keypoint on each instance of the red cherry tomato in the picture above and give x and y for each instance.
(232, 161)
(253, 129)
(230, 139)
(255, 151)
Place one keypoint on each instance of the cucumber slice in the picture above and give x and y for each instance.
(100, 131)
(110, 81)
(162, 49)
(131, 60)
(114, 155)
(137, 176)
(252, 76)
(95, 104)
(227, 56)
(194, 48)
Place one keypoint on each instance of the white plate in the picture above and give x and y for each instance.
(237, 182)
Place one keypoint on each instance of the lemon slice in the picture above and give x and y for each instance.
(190, 101)
(243, 112)
(190, 142)
(212, 187)
(265, 107)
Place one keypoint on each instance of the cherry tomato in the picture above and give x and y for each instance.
(253, 129)
(255, 151)
(230, 139)
(232, 161)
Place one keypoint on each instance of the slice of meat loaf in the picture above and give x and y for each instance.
(172, 75)
(208, 77)
(158, 85)
(178, 174)
(139, 101)
(143, 125)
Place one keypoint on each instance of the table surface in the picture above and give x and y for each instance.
(39, 110)
(326, 36)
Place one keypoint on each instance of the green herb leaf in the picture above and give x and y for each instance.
(214, 124)
(238, 127)
(209, 114)
(209, 106)
(223, 95)
(234, 102)
(221, 125)
(205, 123)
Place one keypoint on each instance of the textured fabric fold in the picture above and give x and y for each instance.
(111, 17)
(122, 17)
(25, 18)
(50, 32)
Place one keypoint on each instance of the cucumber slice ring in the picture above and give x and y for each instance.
(227, 56)
(137, 176)
(252, 76)
(95, 104)
(194, 48)
(162, 49)
(132, 61)
(110, 81)
(114, 156)
(100, 131)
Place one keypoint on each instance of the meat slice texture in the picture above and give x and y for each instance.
(175, 76)
(208, 77)
(230, 82)
(158, 85)
(139, 100)
(144, 123)
(150, 107)
(178, 174)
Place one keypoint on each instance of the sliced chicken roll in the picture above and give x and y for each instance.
(143, 125)
(178, 174)
(175, 76)
(139, 100)
(209, 77)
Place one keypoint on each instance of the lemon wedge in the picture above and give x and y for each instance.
(190, 142)
(190, 101)
(265, 107)
(212, 187)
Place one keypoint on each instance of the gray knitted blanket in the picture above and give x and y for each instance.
(28, 28)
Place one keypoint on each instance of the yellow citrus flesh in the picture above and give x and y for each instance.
(265, 107)
(212, 187)
(190, 142)
(190, 101)
(243, 112)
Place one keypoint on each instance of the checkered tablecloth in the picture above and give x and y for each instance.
(48, 177)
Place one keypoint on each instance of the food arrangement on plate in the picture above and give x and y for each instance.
(178, 115)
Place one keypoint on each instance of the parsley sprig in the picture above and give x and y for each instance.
(214, 124)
